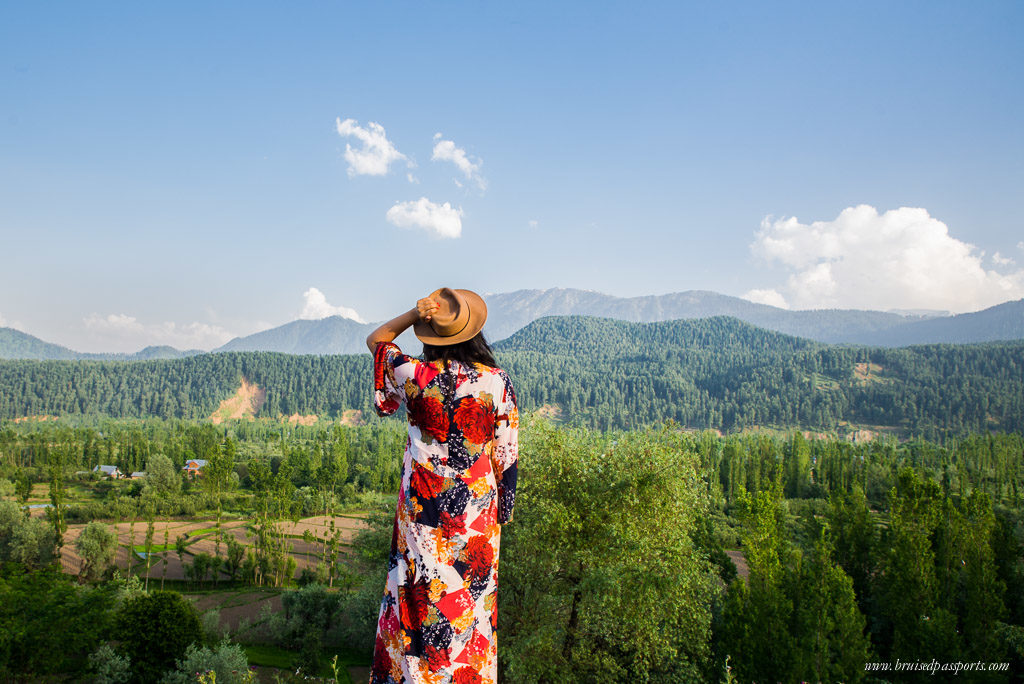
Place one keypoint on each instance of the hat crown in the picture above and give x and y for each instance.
(452, 315)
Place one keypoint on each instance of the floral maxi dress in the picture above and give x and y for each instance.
(438, 617)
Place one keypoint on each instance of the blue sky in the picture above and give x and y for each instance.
(174, 173)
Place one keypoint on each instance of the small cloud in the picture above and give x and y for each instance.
(900, 259)
(316, 307)
(121, 332)
(769, 297)
(1020, 245)
(532, 223)
(412, 179)
(113, 322)
(377, 153)
(445, 150)
(440, 219)
(999, 260)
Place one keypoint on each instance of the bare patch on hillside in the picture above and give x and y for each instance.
(549, 411)
(867, 372)
(299, 419)
(352, 417)
(245, 403)
(862, 435)
(35, 419)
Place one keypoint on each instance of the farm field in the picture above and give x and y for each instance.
(200, 536)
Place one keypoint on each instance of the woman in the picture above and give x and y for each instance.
(438, 617)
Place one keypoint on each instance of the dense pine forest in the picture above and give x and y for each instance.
(716, 373)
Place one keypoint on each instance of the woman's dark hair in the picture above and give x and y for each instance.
(473, 350)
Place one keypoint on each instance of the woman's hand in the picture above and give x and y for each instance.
(426, 308)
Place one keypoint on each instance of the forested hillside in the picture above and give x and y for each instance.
(715, 373)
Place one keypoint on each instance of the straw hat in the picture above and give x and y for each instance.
(461, 316)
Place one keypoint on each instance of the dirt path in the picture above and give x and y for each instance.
(742, 569)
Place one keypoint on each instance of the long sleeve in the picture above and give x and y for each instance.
(391, 370)
(506, 450)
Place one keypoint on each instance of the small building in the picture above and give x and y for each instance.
(113, 472)
(138, 475)
(194, 467)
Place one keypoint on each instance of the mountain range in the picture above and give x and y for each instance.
(15, 344)
(718, 373)
(509, 312)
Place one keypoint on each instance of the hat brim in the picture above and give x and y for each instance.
(477, 317)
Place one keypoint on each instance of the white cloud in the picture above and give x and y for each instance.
(316, 307)
(124, 333)
(440, 219)
(1020, 245)
(377, 152)
(999, 260)
(445, 150)
(532, 223)
(902, 259)
(412, 179)
(769, 297)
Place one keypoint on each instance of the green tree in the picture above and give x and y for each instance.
(156, 629)
(97, 545)
(829, 626)
(58, 493)
(227, 661)
(29, 542)
(23, 487)
(108, 666)
(163, 477)
(600, 579)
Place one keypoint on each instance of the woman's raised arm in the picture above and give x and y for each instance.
(388, 331)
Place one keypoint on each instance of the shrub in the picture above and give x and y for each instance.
(156, 629)
(108, 666)
(226, 660)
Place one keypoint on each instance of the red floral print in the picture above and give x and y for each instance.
(438, 658)
(479, 556)
(414, 604)
(467, 675)
(429, 416)
(475, 421)
(452, 525)
(425, 483)
(381, 659)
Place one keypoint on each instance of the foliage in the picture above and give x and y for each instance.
(29, 542)
(309, 613)
(155, 630)
(97, 545)
(796, 619)
(48, 624)
(226, 660)
(108, 666)
(163, 478)
(600, 581)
